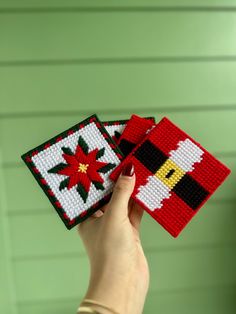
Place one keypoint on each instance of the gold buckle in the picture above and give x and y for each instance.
(170, 173)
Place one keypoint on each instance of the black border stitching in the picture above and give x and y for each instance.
(26, 157)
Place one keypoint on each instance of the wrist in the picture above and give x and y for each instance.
(91, 306)
(123, 293)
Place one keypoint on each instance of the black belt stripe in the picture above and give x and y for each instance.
(188, 189)
(150, 156)
(126, 146)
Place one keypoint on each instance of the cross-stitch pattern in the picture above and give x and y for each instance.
(135, 130)
(73, 169)
(135, 125)
(175, 175)
(115, 128)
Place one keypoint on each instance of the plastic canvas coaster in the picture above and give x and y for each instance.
(175, 175)
(73, 169)
(134, 132)
(115, 128)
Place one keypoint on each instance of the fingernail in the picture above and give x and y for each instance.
(128, 170)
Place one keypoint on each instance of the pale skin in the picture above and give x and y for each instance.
(119, 272)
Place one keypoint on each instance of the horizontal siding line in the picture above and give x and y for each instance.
(231, 154)
(196, 288)
(49, 301)
(121, 9)
(29, 212)
(72, 255)
(191, 247)
(50, 211)
(121, 60)
(21, 164)
(151, 110)
(64, 255)
(78, 299)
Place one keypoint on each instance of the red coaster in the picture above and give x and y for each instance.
(175, 175)
(134, 132)
(73, 169)
(128, 133)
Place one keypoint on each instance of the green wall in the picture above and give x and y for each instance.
(61, 61)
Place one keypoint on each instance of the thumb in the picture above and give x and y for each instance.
(118, 204)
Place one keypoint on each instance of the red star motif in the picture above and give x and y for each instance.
(82, 168)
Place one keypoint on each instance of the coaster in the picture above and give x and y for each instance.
(115, 128)
(134, 132)
(73, 169)
(175, 175)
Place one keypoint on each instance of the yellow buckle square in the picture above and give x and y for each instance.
(170, 173)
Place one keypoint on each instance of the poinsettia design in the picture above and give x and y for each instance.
(82, 168)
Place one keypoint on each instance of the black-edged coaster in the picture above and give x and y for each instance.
(115, 128)
(73, 169)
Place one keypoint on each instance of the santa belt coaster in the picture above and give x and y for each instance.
(77, 169)
(175, 175)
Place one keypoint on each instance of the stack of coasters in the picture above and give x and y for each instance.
(134, 132)
(115, 128)
(73, 167)
(128, 133)
(175, 175)
(77, 169)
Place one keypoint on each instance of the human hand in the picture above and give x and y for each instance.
(119, 272)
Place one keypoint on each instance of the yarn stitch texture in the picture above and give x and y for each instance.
(115, 128)
(73, 169)
(135, 130)
(175, 175)
(121, 130)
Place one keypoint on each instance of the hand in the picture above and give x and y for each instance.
(119, 273)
